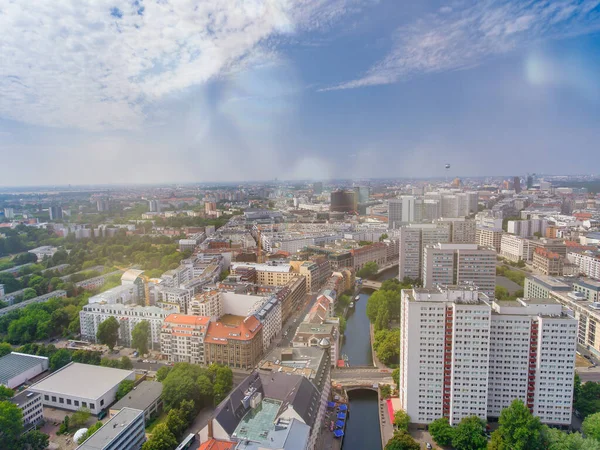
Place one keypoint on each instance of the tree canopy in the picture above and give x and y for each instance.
(591, 426)
(140, 336)
(125, 387)
(369, 269)
(518, 430)
(441, 431)
(402, 441)
(469, 434)
(108, 332)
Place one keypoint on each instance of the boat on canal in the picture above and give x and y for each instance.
(357, 298)
(351, 305)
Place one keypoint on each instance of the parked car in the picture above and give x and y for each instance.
(146, 361)
(140, 360)
(152, 361)
(429, 446)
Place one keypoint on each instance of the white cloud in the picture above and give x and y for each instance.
(462, 36)
(98, 64)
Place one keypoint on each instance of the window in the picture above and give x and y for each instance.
(46, 397)
(54, 399)
(101, 402)
(68, 401)
(84, 404)
(92, 406)
(76, 402)
(61, 400)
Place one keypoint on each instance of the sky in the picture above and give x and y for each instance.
(163, 91)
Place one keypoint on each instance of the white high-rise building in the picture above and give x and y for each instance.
(462, 354)
(413, 239)
(394, 213)
(9, 213)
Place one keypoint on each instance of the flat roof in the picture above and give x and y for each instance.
(141, 397)
(111, 429)
(82, 380)
(24, 397)
(551, 282)
(15, 364)
(589, 283)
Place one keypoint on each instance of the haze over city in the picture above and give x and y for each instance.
(152, 92)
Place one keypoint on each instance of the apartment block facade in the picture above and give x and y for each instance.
(182, 338)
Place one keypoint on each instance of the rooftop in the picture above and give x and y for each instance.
(141, 397)
(221, 331)
(589, 283)
(551, 282)
(14, 364)
(24, 397)
(257, 423)
(82, 380)
(217, 444)
(111, 429)
(182, 319)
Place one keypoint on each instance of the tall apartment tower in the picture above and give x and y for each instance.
(394, 213)
(55, 212)
(413, 238)
(452, 264)
(463, 354)
(154, 205)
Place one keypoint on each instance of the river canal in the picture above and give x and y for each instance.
(362, 429)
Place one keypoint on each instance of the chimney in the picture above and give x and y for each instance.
(210, 429)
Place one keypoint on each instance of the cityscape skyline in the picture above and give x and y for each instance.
(155, 93)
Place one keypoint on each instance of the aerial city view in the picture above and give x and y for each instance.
(300, 225)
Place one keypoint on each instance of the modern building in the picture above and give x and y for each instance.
(589, 288)
(463, 354)
(462, 231)
(9, 213)
(528, 227)
(540, 286)
(236, 342)
(413, 238)
(146, 397)
(154, 206)
(588, 263)
(452, 264)
(55, 212)
(102, 205)
(269, 411)
(394, 213)
(30, 404)
(516, 248)
(547, 262)
(343, 201)
(128, 316)
(489, 237)
(19, 368)
(182, 338)
(124, 431)
(124, 295)
(78, 386)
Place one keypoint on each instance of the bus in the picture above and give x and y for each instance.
(187, 442)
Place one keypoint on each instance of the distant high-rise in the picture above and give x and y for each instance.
(529, 181)
(343, 201)
(318, 187)
(517, 184)
(102, 205)
(394, 213)
(9, 213)
(55, 212)
(362, 193)
(154, 205)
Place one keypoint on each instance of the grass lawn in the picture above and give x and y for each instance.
(160, 419)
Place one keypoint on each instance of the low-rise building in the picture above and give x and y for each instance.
(183, 337)
(19, 368)
(376, 253)
(30, 404)
(78, 386)
(540, 286)
(45, 251)
(547, 262)
(124, 431)
(124, 295)
(311, 335)
(146, 397)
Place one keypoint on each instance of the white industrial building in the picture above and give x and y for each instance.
(462, 354)
(18, 368)
(78, 386)
(124, 294)
(128, 316)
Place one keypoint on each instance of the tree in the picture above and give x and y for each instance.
(5, 349)
(555, 439)
(518, 430)
(29, 293)
(34, 440)
(401, 420)
(385, 391)
(140, 335)
(161, 439)
(591, 426)
(469, 434)
(369, 269)
(383, 237)
(588, 401)
(11, 425)
(60, 359)
(396, 376)
(576, 388)
(162, 373)
(108, 332)
(402, 441)
(501, 293)
(125, 387)
(5, 393)
(80, 417)
(223, 382)
(176, 422)
(441, 431)
(125, 363)
(188, 409)
(180, 384)
(91, 430)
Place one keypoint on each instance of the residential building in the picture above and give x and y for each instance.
(124, 295)
(316, 272)
(269, 274)
(463, 354)
(146, 397)
(128, 316)
(30, 404)
(462, 231)
(412, 240)
(234, 341)
(489, 237)
(376, 253)
(269, 411)
(528, 227)
(55, 212)
(9, 213)
(292, 296)
(540, 286)
(312, 334)
(154, 206)
(394, 213)
(547, 262)
(207, 304)
(587, 261)
(19, 368)
(78, 386)
(589, 288)
(124, 431)
(94, 283)
(182, 338)
(175, 296)
(59, 293)
(45, 251)
(452, 264)
(269, 315)
(516, 248)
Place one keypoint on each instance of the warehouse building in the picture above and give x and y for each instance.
(18, 368)
(78, 386)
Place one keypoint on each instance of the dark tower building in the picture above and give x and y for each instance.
(343, 201)
(517, 184)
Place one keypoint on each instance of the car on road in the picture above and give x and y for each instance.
(140, 360)
(145, 361)
(429, 446)
(152, 361)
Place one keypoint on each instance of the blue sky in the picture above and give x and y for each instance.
(222, 90)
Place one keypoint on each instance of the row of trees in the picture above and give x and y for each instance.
(187, 388)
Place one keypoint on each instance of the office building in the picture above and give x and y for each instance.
(102, 205)
(362, 194)
(236, 342)
(154, 206)
(462, 231)
(182, 338)
(55, 213)
(541, 286)
(589, 288)
(517, 185)
(528, 227)
(124, 431)
(412, 239)
(516, 248)
(78, 386)
(343, 201)
(489, 238)
(376, 253)
(146, 397)
(9, 213)
(30, 404)
(394, 213)
(128, 316)
(462, 354)
(452, 264)
(19, 368)
(547, 262)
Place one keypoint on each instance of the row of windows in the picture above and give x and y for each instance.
(61, 400)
